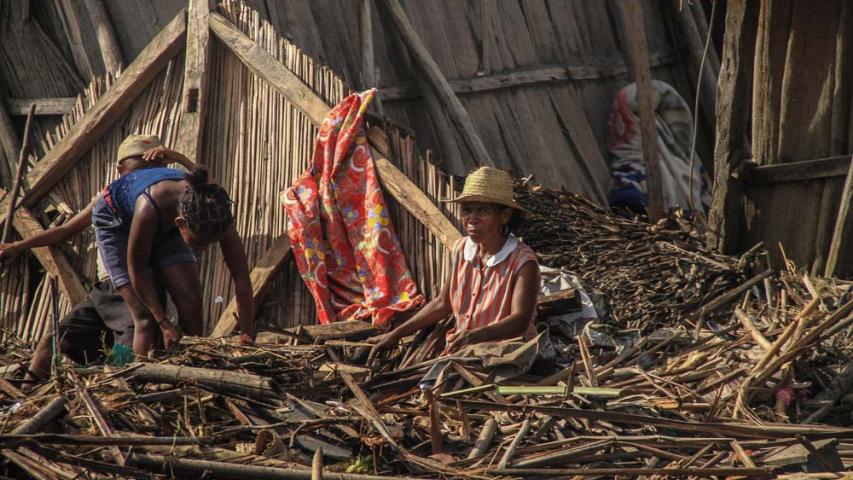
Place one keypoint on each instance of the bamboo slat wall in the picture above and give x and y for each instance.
(256, 145)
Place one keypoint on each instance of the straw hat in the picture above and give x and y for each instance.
(136, 145)
(487, 184)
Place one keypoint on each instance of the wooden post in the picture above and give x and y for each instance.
(637, 55)
(110, 52)
(19, 176)
(9, 142)
(725, 220)
(841, 234)
(109, 108)
(261, 277)
(194, 98)
(437, 81)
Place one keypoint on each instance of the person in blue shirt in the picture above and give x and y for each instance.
(147, 224)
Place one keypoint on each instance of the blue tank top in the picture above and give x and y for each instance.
(125, 190)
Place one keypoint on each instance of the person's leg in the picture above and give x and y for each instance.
(145, 330)
(80, 331)
(177, 270)
(182, 282)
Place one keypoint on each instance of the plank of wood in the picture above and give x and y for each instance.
(637, 53)
(349, 329)
(109, 108)
(828, 167)
(843, 226)
(51, 258)
(415, 201)
(527, 76)
(725, 219)
(44, 106)
(11, 145)
(110, 51)
(261, 278)
(194, 98)
(263, 64)
(438, 83)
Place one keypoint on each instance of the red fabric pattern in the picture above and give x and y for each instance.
(344, 244)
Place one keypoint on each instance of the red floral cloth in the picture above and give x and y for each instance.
(342, 238)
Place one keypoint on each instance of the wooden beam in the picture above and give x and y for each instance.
(194, 98)
(438, 83)
(637, 53)
(263, 64)
(725, 220)
(109, 108)
(413, 199)
(843, 230)
(526, 77)
(261, 277)
(51, 258)
(44, 106)
(100, 18)
(10, 144)
(799, 171)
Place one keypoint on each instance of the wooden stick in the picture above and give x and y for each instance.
(436, 440)
(638, 57)
(47, 414)
(519, 438)
(483, 442)
(225, 381)
(19, 176)
(197, 468)
(317, 465)
(752, 329)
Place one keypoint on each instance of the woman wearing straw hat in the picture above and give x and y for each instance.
(491, 291)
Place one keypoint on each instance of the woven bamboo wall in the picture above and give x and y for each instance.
(256, 145)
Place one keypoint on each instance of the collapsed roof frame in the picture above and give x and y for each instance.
(193, 26)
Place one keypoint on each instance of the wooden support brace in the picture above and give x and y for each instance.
(194, 97)
(44, 106)
(285, 82)
(261, 278)
(51, 258)
(109, 108)
(638, 56)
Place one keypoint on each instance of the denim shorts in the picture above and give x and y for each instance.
(112, 234)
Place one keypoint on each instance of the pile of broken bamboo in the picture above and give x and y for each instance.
(725, 373)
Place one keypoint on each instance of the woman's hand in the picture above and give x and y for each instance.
(159, 154)
(461, 339)
(9, 252)
(171, 334)
(384, 342)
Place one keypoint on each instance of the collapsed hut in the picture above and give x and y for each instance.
(701, 364)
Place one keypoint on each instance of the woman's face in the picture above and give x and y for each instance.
(484, 221)
(196, 240)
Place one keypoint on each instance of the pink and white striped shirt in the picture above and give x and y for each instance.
(481, 292)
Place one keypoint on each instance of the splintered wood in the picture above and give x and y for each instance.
(706, 366)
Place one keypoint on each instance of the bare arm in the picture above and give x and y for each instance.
(163, 153)
(428, 316)
(51, 236)
(235, 260)
(142, 230)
